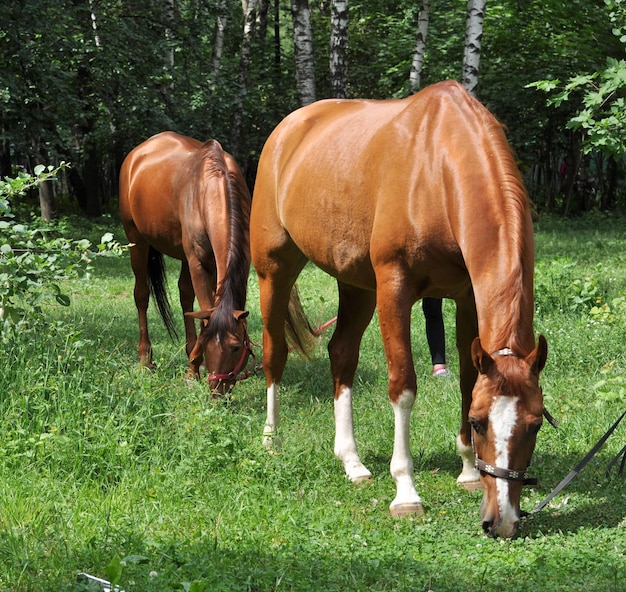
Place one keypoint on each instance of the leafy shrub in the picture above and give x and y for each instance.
(36, 258)
(560, 288)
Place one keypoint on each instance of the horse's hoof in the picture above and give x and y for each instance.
(407, 509)
(471, 485)
(191, 377)
(143, 366)
(357, 472)
(272, 443)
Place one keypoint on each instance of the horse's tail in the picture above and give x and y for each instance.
(300, 334)
(157, 281)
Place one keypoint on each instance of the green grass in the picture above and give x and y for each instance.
(100, 461)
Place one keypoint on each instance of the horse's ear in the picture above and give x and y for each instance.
(536, 359)
(200, 314)
(240, 314)
(481, 359)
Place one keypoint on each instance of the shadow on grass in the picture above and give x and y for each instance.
(599, 501)
(302, 566)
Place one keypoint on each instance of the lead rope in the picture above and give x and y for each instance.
(581, 465)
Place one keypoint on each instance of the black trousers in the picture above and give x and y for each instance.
(435, 333)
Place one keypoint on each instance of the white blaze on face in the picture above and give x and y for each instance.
(503, 418)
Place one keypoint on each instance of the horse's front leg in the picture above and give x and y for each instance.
(356, 308)
(187, 296)
(274, 299)
(394, 311)
(202, 281)
(466, 331)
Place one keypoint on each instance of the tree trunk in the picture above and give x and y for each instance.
(46, 200)
(5, 154)
(608, 191)
(420, 47)
(339, 49)
(277, 34)
(250, 7)
(94, 23)
(473, 36)
(167, 88)
(303, 50)
(218, 42)
(261, 19)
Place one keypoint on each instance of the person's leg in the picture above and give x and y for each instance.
(435, 334)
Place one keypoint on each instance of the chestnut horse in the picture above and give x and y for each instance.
(399, 200)
(188, 200)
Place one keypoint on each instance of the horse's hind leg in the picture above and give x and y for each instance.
(466, 331)
(356, 308)
(139, 264)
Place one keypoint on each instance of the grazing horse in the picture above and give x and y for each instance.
(399, 200)
(188, 200)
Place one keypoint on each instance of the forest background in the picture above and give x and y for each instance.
(84, 81)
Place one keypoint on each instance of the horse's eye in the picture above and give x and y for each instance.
(533, 429)
(236, 348)
(479, 428)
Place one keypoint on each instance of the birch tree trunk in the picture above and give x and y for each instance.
(420, 47)
(94, 23)
(218, 42)
(473, 36)
(339, 49)
(250, 8)
(170, 20)
(303, 49)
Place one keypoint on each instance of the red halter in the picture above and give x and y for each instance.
(237, 373)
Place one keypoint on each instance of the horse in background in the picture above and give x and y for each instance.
(399, 200)
(188, 200)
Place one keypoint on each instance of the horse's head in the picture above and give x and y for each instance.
(226, 352)
(505, 416)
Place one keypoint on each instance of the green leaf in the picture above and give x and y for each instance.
(114, 570)
(63, 299)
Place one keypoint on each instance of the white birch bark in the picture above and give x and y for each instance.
(473, 37)
(94, 23)
(218, 42)
(420, 46)
(339, 49)
(303, 45)
(250, 8)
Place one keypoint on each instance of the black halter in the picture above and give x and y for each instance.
(498, 472)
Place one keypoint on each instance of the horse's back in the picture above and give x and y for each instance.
(356, 182)
(150, 189)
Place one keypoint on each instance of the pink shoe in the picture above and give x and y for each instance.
(440, 371)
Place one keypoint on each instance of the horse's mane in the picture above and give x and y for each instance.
(232, 288)
(517, 207)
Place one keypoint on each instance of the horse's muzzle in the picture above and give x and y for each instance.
(496, 529)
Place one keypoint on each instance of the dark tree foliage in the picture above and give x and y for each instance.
(84, 81)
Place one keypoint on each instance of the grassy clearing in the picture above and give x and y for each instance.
(99, 461)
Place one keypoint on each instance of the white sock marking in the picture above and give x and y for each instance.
(401, 461)
(345, 444)
(270, 440)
